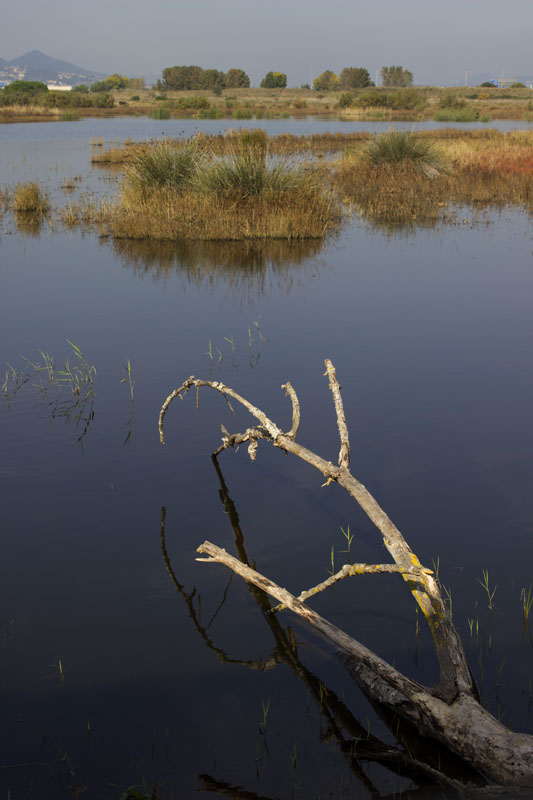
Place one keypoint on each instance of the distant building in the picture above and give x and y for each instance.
(57, 87)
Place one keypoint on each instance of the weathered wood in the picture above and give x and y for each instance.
(464, 726)
(449, 712)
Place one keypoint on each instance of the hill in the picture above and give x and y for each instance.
(37, 66)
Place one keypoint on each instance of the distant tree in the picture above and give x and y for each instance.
(487, 85)
(274, 80)
(136, 84)
(116, 81)
(305, 86)
(354, 78)
(82, 88)
(396, 76)
(212, 79)
(23, 92)
(179, 78)
(326, 82)
(518, 85)
(237, 79)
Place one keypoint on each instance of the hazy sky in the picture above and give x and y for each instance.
(436, 40)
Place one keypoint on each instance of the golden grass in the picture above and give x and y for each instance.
(165, 214)
(30, 198)
(490, 171)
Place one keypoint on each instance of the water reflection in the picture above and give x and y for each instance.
(247, 267)
(29, 223)
(413, 759)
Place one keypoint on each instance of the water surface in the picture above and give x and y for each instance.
(113, 671)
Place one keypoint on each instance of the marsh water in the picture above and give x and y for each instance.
(125, 662)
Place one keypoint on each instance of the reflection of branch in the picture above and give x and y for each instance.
(260, 665)
(449, 712)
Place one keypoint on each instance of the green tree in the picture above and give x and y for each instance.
(354, 78)
(183, 77)
(396, 76)
(23, 92)
(212, 79)
(274, 80)
(326, 82)
(237, 79)
(116, 81)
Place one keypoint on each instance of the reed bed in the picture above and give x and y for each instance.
(479, 171)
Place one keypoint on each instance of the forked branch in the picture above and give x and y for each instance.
(450, 712)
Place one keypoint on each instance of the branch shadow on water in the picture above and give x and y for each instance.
(429, 765)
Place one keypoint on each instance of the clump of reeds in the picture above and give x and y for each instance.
(30, 198)
(162, 165)
(401, 147)
(178, 194)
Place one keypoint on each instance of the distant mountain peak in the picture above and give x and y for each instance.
(38, 66)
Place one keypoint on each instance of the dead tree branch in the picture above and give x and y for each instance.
(450, 712)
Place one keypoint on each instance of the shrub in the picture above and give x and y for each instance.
(135, 98)
(30, 198)
(346, 99)
(449, 99)
(372, 98)
(397, 147)
(23, 93)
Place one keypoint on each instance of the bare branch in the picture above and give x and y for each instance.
(344, 453)
(349, 570)
(295, 410)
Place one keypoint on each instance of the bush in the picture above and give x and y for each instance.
(23, 93)
(135, 98)
(397, 147)
(449, 99)
(346, 99)
(30, 198)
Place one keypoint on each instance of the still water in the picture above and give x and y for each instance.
(124, 661)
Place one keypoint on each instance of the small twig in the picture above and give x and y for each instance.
(348, 570)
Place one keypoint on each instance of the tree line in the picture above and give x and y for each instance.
(196, 78)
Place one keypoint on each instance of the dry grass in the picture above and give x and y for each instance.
(30, 198)
(208, 216)
(486, 171)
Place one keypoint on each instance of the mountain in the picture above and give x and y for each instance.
(37, 66)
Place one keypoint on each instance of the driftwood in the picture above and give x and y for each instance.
(450, 712)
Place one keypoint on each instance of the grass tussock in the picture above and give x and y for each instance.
(486, 170)
(30, 198)
(181, 192)
(400, 147)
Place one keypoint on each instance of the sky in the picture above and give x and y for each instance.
(442, 42)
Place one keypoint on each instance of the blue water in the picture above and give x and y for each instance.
(106, 679)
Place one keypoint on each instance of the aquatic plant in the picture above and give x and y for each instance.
(161, 165)
(400, 147)
(30, 198)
